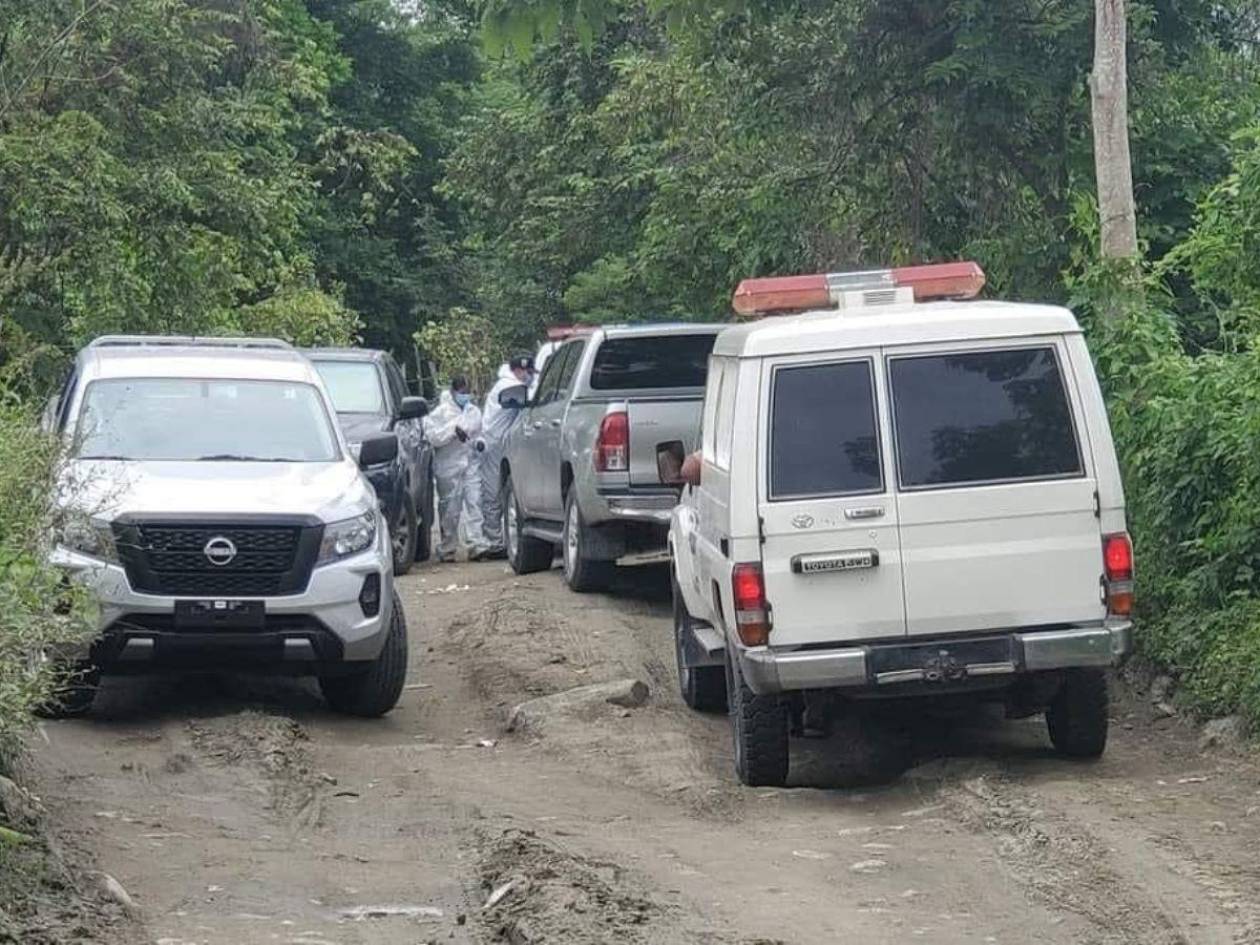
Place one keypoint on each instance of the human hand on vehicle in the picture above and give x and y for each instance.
(463, 437)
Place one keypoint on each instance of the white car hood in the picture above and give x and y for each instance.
(107, 489)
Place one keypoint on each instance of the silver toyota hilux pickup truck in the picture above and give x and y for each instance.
(580, 468)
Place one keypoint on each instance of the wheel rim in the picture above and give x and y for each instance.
(398, 536)
(510, 526)
(571, 539)
(684, 671)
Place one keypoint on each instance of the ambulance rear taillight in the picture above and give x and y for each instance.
(1118, 574)
(752, 613)
(782, 294)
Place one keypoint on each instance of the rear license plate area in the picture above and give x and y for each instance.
(942, 661)
(220, 614)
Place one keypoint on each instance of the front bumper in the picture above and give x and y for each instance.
(987, 659)
(323, 624)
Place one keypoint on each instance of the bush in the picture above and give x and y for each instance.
(37, 610)
(1187, 431)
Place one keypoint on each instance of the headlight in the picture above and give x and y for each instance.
(95, 539)
(349, 537)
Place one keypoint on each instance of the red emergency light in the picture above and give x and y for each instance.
(565, 332)
(955, 280)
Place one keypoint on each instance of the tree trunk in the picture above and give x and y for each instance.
(1110, 97)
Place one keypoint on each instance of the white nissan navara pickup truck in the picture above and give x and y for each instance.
(211, 506)
(901, 494)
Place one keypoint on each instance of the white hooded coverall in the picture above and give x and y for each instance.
(497, 422)
(453, 467)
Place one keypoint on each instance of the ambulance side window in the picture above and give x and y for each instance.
(712, 395)
(726, 414)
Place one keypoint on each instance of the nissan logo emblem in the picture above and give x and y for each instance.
(219, 551)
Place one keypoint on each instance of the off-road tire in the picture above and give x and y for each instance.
(703, 688)
(525, 554)
(75, 695)
(759, 727)
(1078, 717)
(374, 690)
(581, 573)
(404, 552)
(424, 534)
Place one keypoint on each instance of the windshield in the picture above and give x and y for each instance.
(202, 419)
(354, 386)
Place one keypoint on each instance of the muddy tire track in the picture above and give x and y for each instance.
(1062, 863)
(275, 749)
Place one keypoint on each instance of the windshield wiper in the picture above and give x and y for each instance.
(233, 458)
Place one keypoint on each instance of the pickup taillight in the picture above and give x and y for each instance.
(1118, 574)
(752, 613)
(612, 446)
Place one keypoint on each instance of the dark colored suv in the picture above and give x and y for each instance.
(370, 394)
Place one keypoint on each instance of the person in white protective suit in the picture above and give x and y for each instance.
(497, 421)
(451, 430)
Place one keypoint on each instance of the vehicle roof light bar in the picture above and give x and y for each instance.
(954, 280)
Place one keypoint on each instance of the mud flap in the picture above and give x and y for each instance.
(703, 646)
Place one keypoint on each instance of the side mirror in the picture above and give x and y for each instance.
(378, 450)
(412, 408)
(669, 462)
(514, 396)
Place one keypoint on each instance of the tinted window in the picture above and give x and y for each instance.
(66, 397)
(651, 363)
(570, 366)
(823, 437)
(549, 383)
(354, 386)
(205, 419)
(982, 416)
(394, 376)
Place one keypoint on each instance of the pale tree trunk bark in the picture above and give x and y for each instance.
(1108, 86)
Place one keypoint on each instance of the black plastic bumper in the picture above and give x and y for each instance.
(284, 645)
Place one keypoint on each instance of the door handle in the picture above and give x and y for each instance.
(537, 424)
(870, 511)
(556, 423)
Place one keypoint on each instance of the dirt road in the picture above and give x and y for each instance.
(242, 812)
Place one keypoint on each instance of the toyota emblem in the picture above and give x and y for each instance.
(220, 551)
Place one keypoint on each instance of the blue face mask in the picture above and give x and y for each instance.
(462, 399)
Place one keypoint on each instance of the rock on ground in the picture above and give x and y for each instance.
(531, 715)
(1222, 733)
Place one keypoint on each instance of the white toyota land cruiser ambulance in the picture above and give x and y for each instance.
(902, 493)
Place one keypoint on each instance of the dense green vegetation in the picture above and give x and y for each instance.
(378, 169)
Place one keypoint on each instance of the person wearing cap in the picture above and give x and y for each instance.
(497, 420)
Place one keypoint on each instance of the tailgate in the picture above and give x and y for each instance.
(658, 420)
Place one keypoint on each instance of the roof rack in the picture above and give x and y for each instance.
(186, 341)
